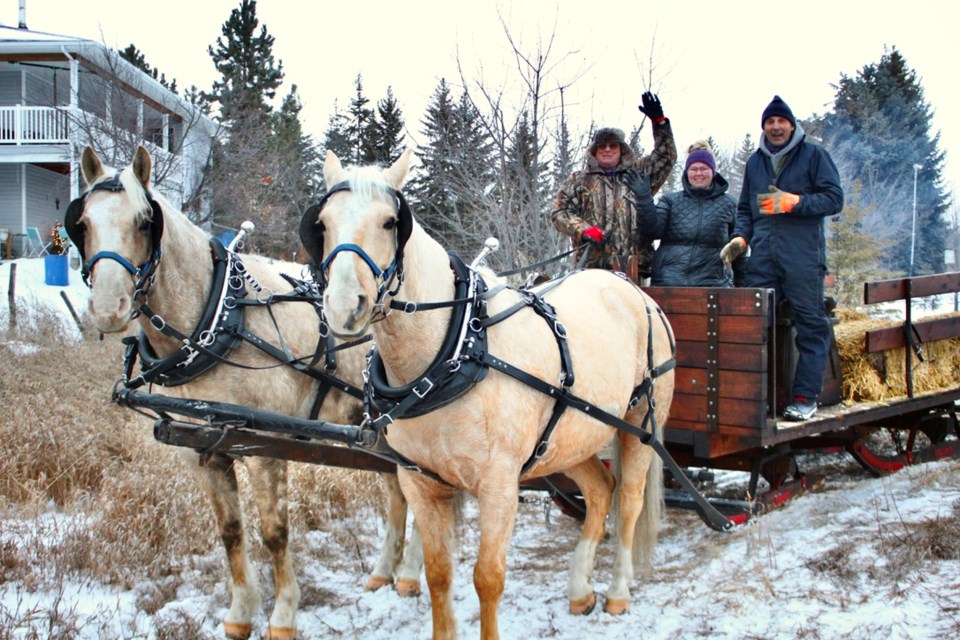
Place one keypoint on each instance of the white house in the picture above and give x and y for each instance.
(59, 94)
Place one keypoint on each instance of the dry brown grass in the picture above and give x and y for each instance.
(937, 538)
(117, 506)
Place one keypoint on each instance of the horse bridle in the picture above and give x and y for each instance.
(311, 235)
(144, 274)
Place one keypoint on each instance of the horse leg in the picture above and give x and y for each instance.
(636, 478)
(268, 479)
(433, 507)
(408, 575)
(498, 514)
(219, 480)
(596, 484)
(393, 543)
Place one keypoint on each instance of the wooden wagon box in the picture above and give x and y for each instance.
(735, 361)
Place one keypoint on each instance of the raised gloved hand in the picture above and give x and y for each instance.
(732, 251)
(593, 235)
(639, 183)
(651, 107)
(777, 201)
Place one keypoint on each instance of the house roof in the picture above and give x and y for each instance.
(16, 43)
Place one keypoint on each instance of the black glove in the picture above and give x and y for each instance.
(638, 182)
(651, 106)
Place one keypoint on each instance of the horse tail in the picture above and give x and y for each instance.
(648, 526)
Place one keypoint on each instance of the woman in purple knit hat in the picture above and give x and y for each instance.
(693, 225)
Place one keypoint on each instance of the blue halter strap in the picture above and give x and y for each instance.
(383, 274)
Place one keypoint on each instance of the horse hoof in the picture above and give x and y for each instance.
(583, 606)
(616, 606)
(375, 582)
(407, 588)
(237, 630)
(281, 633)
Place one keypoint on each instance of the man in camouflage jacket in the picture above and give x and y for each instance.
(597, 205)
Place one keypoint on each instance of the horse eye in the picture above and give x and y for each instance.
(145, 225)
(321, 227)
(390, 224)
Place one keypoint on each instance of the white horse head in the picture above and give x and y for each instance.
(365, 208)
(116, 225)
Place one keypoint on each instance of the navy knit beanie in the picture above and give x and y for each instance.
(777, 107)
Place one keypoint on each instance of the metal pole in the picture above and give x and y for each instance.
(913, 228)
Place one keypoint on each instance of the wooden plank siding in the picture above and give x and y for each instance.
(740, 340)
(920, 286)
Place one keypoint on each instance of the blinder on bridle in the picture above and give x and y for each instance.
(311, 235)
(76, 231)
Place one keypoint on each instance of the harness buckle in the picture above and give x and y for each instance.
(410, 307)
(560, 330)
(158, 322)
(540, 450)
(421, 394)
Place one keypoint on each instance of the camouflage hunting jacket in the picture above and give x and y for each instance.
(589, 198)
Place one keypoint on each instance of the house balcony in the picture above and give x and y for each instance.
(20, 125)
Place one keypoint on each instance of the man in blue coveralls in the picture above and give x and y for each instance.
(790, 185)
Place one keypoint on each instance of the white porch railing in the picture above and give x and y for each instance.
(33, 125)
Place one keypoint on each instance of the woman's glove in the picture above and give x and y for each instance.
(732, 251)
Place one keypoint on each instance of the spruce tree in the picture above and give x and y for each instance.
(853, 256)
(880, 127)
(359, 126)
(738, 164)
(336, 138)
(389, 126)
(261, 165)
(244, 58)
(134, 56)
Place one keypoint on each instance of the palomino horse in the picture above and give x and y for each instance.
(120, 227)
(593, 332)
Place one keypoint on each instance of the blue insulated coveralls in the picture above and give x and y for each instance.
(788, 250)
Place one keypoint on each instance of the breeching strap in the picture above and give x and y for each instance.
(714, 519)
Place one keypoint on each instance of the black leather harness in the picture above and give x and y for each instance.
(221, 329)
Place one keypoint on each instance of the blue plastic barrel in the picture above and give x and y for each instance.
(56, 270)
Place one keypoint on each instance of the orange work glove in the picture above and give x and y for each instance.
(732, 251)
(777, 201)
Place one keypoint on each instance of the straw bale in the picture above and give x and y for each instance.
(881, 376)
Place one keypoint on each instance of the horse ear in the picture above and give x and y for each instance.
(332, 169)
(143, 166)
(396, 175)
(90, 167)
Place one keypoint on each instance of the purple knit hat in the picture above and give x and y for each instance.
(701, 155)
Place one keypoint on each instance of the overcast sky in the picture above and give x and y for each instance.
(716, 65)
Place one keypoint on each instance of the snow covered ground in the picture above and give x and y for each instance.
(860, 557)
